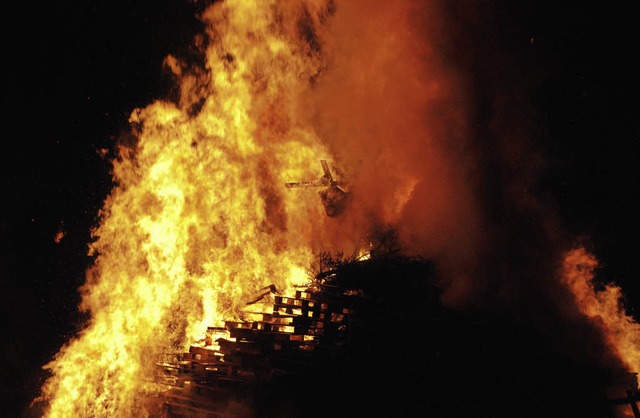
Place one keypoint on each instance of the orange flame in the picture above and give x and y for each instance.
(605, 306)
(199, 219)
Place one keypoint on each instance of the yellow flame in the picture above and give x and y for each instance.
(199, 218)
(621, 331)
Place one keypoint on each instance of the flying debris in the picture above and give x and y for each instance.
(265, 291)
(333, 195)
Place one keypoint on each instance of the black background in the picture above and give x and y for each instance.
(74, 71)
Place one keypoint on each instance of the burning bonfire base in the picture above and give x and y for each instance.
(218, 377)
(299, 332)
(372, 338)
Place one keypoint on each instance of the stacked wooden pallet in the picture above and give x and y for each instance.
(218, 377)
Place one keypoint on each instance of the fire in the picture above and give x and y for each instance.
(198, 219)
(620, 330)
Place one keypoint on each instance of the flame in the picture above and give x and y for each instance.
(605, 306)
(198, 219)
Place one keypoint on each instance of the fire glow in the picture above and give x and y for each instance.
(199, 219)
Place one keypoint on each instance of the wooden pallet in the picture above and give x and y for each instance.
(284, 341)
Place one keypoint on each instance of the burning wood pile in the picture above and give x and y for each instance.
(304, 340)
(372, 337)
(300, 331)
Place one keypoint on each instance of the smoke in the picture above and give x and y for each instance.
(399, 105)
(432, 107)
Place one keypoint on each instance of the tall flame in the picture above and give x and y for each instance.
(199, 219)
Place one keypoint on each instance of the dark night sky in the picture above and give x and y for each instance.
(73, 71)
